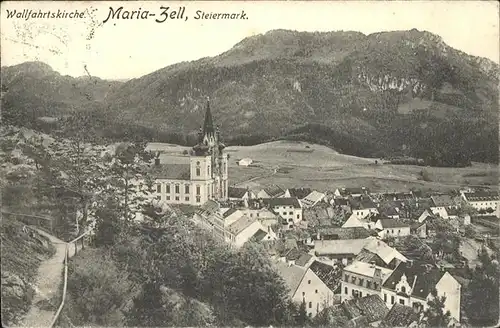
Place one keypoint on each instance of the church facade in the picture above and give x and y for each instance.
(202, 177)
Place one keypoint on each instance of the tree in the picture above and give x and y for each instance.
(302, 317)
(482, 294)
(150, 309)
(435, 315)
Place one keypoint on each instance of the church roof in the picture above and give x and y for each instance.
(172, 171)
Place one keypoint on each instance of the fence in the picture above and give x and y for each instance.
(45, 223)
(76, 241)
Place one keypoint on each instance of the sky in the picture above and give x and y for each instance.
(123, 49)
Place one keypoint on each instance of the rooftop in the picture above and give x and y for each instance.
(426, 276)
(344, 233)
(367, 269)
(299, 192)
(234, 192)
(341, 246)
(241, 224)
(286, 201)
(482, 196)
(291, 274)
(327, 273)
(384, 251)
(172, 171)
(361, 203)
(371, 306)
(399, 316)
(274, 190)
(442, 200)
(392, 223)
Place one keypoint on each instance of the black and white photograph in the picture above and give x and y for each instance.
(250, 164)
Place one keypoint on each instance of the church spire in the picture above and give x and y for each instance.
(208, 125)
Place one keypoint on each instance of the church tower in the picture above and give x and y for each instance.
(210, 158)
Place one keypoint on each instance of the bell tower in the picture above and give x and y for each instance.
(211, 148)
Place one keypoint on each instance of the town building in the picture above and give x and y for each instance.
(392, 228)
(272, 191)
(239, 193)
(201, 176)
(410, 284)
(289, 209)
(360, 279)
(313, 285)
(353, 192)
(483, 201)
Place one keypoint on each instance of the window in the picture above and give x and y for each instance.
(310, 304)
(309, 282)
(158, 188)
(177, 198)
(303, 293)
(316, 291)
(392, 299)
(346, 278)
(298, 216)
(346, 290)
(198, 199)
(290, 220)
(310, 314)
(186, 189)
(168, 197)
(360, 281)
(368, 284)
(186, 198)
(403, 289)
(290, 213)
(375, 285)
(197, 190)
(176, 189)
(168, 189)
(158, 197)
(353, 280)
(208, 170)
(402, 301)
(360, 294)
(385, 297)
(198, 172)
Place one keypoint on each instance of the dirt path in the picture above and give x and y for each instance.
(49, 278)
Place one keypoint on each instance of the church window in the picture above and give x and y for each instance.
(198, 172)
(168, 189)
(158, 188)
(186, 189)
(176, 189)
(197, 190)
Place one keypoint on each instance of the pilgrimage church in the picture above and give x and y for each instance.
(201, 176)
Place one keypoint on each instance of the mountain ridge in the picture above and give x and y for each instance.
(360, 87)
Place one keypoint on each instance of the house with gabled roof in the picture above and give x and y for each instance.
(271, 191)
(482, 200)
(289, 209)
(353, 192)
(411, 284)
(400, 316)
(365, 311)
(366, 220)
(299, 193)
(235, 193)
(305, 285)
(392, 228)
(360, 279)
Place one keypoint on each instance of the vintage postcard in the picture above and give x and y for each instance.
(250, 163)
